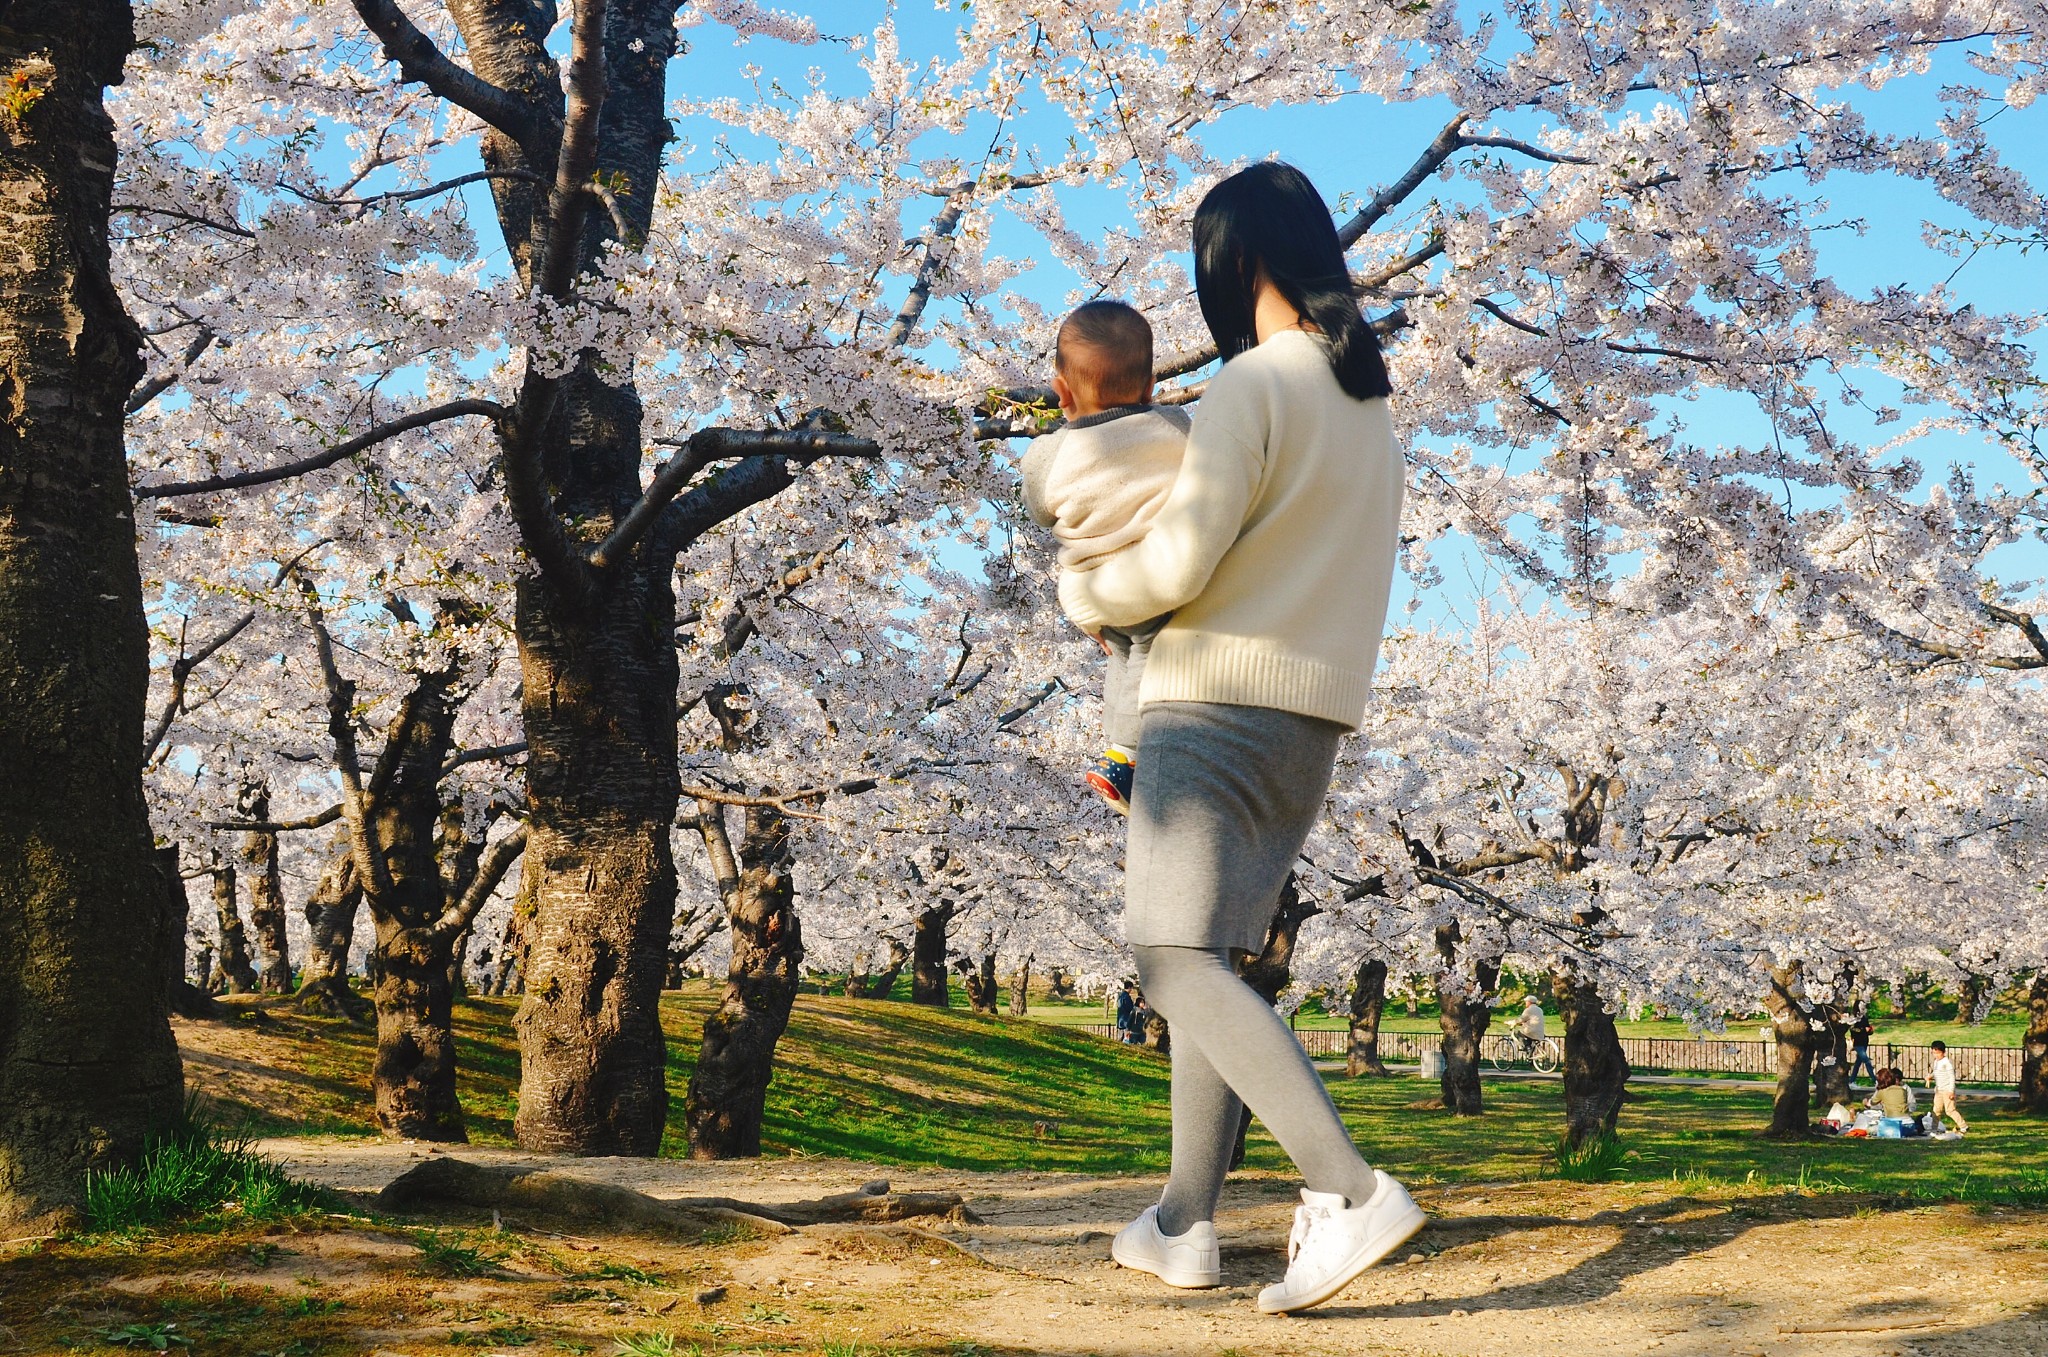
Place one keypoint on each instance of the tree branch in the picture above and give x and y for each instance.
(318, 820)
(482, 755)
(1445, 145)
(164, 381)
(711, 445)
(341, 728)
(1533, 152)
(577, 162)
(497, 861)
(181, 671)
(420, 62)
(412, 194)
(340, 452)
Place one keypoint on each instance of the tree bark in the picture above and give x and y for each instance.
(266, 895)
(1020, 989)
(883, 982)
(1368, 1002)
(187, 1000)
(88, 1065)
(2034, 1049)
(736, 1060)
(928, 955)
(1793, 1023)
(1463, 1016)
(981, 986)
(512, 943)
(330, 934)
(232, 966)
(1595, 1070)
(413, 1077)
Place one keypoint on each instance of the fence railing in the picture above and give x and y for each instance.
(1975, 1065)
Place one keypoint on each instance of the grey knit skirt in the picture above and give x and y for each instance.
(1224, 798)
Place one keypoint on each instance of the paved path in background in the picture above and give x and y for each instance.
(1762, 1086)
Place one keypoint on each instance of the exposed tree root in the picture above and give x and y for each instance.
(462, 1183)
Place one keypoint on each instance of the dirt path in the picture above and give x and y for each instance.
(1519, 1270)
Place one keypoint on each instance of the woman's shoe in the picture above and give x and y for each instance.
(1332, 1243)
(1191, 1260)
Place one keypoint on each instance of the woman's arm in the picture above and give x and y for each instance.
(1171, 564)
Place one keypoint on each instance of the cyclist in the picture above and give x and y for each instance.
(1528, 1028)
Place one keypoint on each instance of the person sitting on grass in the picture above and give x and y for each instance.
(1892, 1096)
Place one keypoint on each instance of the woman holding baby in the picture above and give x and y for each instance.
(1273, 554)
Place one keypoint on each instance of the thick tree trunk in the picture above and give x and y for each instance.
(232, 966)
(413, 1077)
(330, 935)
(1463, 1016)
(1020, 989)
(736, 1060)
(980, 983)
(512, 944)
(928, 956)
(1595, 1070)
(187, 1000)
(87, 1062)
(2034, 1049)
(266, 894)
(1793, 1022)
(1368, 1001)
(883, 982)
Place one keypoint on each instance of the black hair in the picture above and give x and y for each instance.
(1119, 343)
(1270, 220)
(1941, 1046)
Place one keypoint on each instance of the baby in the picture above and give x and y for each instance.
(1098, 483)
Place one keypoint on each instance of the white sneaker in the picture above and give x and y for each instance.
(1332, 1243)
(1190, 1260)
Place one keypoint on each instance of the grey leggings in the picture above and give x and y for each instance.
(1228, 1044)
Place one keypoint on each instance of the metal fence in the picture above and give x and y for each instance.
(1981, 1066)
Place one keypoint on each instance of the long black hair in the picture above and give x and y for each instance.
(1270, 220)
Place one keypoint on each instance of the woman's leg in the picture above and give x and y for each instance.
(1243, 1048)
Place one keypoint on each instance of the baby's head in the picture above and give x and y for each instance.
(1102, 359)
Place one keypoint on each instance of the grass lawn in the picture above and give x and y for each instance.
(897, 1084)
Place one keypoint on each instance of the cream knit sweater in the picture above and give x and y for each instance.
(1099, 482)
(1274, 552)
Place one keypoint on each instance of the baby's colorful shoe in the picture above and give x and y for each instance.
(1111, 778)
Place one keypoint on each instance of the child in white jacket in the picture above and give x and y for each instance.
(1098, 483)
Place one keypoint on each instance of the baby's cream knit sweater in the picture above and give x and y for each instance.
(1099, 482)
(1275, 550)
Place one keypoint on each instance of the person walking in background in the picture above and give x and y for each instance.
(1859, 1042)
(1943, 1081)
(1127, 1029)
(1274, 555)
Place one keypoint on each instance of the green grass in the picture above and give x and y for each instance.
(1997, 1030)
(193, 1171)
(892, 1083)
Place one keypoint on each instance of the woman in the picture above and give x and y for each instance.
(1274, 553)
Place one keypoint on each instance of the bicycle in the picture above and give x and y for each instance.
(1543, 1055)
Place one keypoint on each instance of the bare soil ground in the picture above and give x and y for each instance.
(1518, 1270)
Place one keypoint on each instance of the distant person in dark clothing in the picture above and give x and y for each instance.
(1128, 1029)
(1859, 1041)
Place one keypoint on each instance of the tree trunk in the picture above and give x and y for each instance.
(1793, 1023)
(1020, 989)
(1831, 1061)
(330, 935)
(928, 956)
(88, 1065)
(187, 1000)
(202, 969)
(1463, 1016)
(1368, 1001)
(736, 1060)
(512, 943)
(2034, 1049)
(458, 961)
(980, 983)
(266, 893)
(237, 976)
(883, 982)
(413, 1077)
(1595, 1070)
